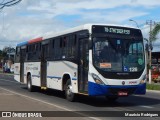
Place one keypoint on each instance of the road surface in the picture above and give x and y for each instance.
(15, 97)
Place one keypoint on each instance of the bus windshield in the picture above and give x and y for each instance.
(118, 54)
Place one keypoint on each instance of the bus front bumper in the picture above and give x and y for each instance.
(107, 90)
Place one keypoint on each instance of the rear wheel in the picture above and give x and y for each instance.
(70, 96)
(29, 84)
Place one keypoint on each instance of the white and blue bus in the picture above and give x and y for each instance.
(92, 59)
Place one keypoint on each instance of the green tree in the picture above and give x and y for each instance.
(7, 50)
(1, 56)
(0, 52)
(155, 32)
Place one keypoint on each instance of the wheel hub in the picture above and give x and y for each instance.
(69, 90)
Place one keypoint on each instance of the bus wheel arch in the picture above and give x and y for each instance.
(64, 80)
(70, 96)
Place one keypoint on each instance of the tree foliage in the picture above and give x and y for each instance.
(155, 31)
(6, 50)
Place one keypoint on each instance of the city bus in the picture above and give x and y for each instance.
(91, 59)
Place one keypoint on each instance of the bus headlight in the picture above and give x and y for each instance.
(97, 79)
(143, 80)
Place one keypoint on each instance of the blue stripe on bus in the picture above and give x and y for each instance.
(47, 76)
(36, 76)
(74, 78)
(96, 89)
(53, 77)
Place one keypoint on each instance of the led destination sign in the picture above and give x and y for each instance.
(116, 30)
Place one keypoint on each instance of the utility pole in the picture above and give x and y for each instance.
(150, 23)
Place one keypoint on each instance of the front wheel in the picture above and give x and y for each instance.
(70, 96)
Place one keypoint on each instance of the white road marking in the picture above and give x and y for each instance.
(36, 99)
(146, 106)
(6, 94)
(63, 108)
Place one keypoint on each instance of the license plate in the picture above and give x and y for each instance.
(122, 93)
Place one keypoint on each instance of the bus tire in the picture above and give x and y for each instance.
(112, 98)
(29, 84)
(70, 96)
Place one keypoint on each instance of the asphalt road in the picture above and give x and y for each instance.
(15, 97)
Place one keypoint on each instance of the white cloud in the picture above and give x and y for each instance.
(32, 18)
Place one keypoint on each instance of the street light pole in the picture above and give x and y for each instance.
(150, 22)
(147, 46)
(134, 22)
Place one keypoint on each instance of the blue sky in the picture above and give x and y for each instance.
(33, 18)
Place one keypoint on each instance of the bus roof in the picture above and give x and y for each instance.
(75, 29)
(30, 41)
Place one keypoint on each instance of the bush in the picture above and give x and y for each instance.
(153, 86)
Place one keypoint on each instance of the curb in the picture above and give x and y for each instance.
(155, 91)
(6, 74)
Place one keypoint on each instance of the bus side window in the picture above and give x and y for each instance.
(57, 49)
(73, 46)
(52, 49)
(64, 47)
(17, 57)
(53, 43)
(70, 47)
(37, 51)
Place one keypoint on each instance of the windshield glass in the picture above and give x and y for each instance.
(118, 55)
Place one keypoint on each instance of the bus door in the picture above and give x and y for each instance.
(44, 53)
(83, 65)
(22, 59)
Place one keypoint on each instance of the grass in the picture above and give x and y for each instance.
(153, 86)
(1, 71)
